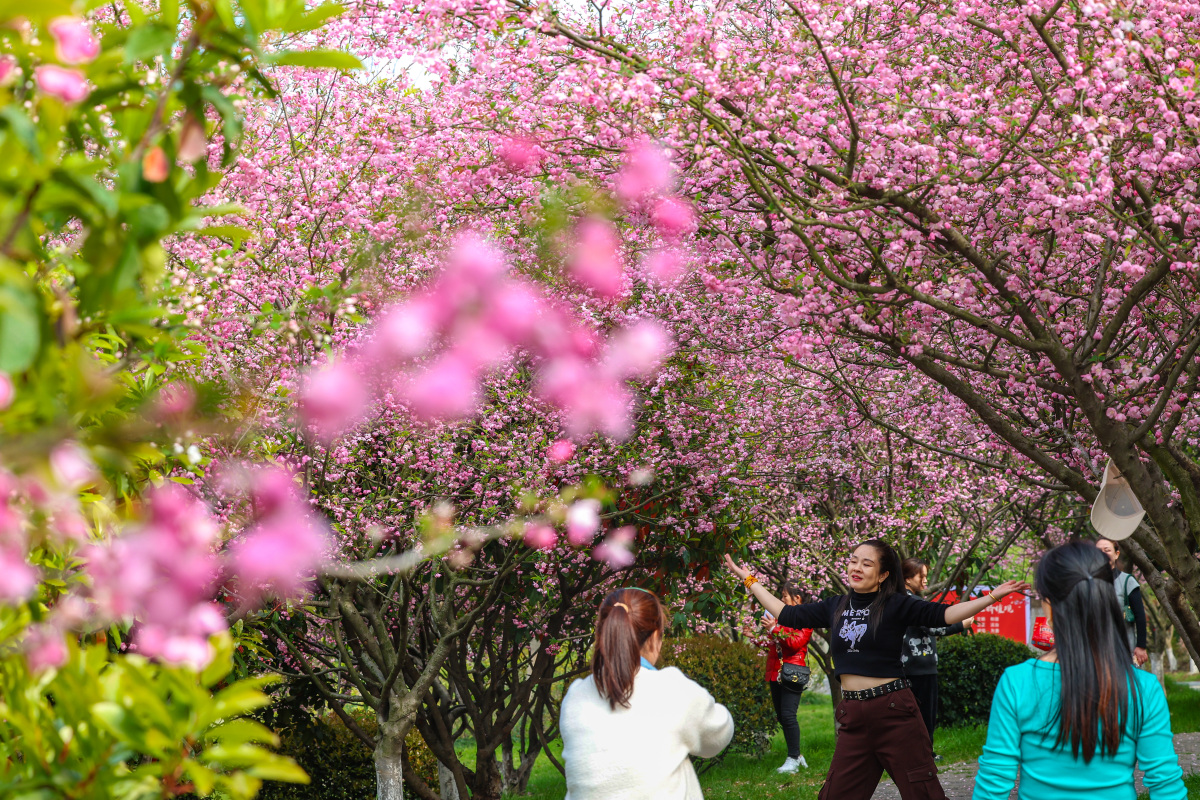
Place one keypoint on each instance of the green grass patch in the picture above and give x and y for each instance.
(1185, 707)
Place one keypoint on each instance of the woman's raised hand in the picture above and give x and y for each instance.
(741, 572)
(1008, 587)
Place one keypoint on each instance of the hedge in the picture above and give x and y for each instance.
(733, 673)
(339, 765)
(969, 668)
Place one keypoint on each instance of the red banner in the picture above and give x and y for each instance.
(1008, 618)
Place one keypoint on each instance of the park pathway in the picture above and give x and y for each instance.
(959, 779)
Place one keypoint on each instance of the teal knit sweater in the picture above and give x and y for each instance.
(1021, 734)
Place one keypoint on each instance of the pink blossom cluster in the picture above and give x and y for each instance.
(74, 44)
(432, 351)
(162, 572)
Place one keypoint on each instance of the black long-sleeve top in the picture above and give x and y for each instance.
(858, 647)
(1138, 607)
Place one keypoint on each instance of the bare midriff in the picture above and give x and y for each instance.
(858, 683)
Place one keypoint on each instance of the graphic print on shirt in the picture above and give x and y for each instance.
(854, 625)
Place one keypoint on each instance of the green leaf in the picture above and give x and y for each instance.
(279, 768)
(236, 233)
(148, 41)
(315, 19)
(330, 59)
(22, 128)
(20, 329)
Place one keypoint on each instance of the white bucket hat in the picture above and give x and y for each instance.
(1116, 512)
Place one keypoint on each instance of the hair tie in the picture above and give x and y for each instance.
(622, 605)
(1091, 578)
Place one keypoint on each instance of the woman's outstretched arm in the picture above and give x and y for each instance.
(769, 601)
(960, 611)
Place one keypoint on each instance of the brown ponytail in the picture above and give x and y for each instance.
(627, 620)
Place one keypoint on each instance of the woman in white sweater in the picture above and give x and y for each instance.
(628, 729)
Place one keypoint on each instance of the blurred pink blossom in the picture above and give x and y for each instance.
(279, 555)
(68, 85)
(512, 312)
(475, 260)
(646, 171)
(664, 266)
(45, 648)
(6, 391)
(520, 153)
(595, 260)
(639, 350)
(561, 451)
(193, 141)
(333, 399)
(18, 578)
(174, 400)
(71, 466)
(540, 536)
(74, 42)
(673, 218)
(583, 520)
(8, 69)
(448, 389)
(614, 550)
(407, 330)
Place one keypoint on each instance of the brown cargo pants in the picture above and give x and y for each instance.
(883, 733)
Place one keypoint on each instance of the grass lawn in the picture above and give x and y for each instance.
(741, 776)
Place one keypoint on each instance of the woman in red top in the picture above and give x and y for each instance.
(787, 646)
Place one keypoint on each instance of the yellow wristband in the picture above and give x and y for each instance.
(749, 580)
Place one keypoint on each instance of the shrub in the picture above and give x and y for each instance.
(733, 673)
(340, 766)
(969, 667)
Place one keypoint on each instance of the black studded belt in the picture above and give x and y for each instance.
(878, 691)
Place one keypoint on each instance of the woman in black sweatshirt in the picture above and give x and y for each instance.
(878, 721)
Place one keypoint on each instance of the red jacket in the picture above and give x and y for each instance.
(786, 646)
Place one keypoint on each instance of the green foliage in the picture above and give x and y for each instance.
(733, 673)
(105, 726)
(339, 764)
(969, 668)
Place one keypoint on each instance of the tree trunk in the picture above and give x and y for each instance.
(486, 783)
(389, 764)
(448, 787)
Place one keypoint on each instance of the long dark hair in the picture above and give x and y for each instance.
(889, 562)
(627, 619)
(1089, 639)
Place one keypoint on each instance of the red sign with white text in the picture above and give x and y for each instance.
(1008, 618)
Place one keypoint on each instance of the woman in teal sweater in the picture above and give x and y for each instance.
(1073, 722)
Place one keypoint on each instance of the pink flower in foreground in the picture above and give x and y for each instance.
(647, 171)
(74, 42)
(45, 648)
(583, 520)
(614, 550)
(540, 537)
(154, 165)
(18, 578)
(638, 350)
(664, 266)
(407, 330)
(519, 153)
(193, 141)
(448, 389)
(68, 85)
(175, 400)
(512, 311)
(561, 451)
(673, 218)
(595, 260)
(333, 399)
(71, 466)
(7, 390)
(279, 555)
(8, 69)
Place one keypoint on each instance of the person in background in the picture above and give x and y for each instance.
(1129, 595)
(787, 646)
(629, 730)
(919, 652)
(1072, 723)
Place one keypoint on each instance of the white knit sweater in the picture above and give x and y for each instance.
(641, 752)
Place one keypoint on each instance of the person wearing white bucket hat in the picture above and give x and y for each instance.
(1115, 516)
